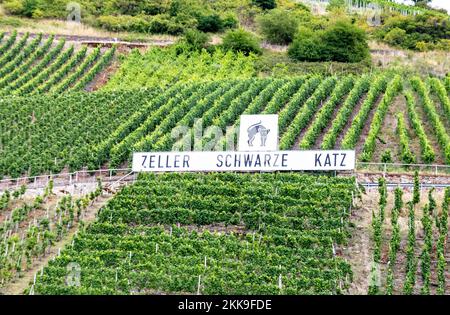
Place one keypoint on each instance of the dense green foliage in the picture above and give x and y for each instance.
(46, 133)
(30, 66)
(163, 67)
(314, 112)
(241, 41)
(420, 32)
(222, 234)
(156, 16)
(278, 26)
(341, 41)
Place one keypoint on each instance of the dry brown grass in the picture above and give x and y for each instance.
(434, 62)
(60, 27)
(360, 250)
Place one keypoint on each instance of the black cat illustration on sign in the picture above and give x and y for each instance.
(256, 129)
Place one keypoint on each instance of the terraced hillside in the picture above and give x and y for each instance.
(373, 114)
(34, 65)
(212, 234)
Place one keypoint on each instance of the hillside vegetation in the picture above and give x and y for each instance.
(37, 65)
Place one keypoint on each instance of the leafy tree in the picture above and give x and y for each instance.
(343, 42)
(278, 26)
(241, 41)
(210, 23)
(307, 46)
(265, 4)
(346, 42)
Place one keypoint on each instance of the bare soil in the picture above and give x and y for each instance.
(387, 138)
(429, 131)
(313, 118)
(359, 252)
(19, 284)
(319, 139)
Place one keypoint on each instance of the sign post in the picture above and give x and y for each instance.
(243, 161)
(258, 151)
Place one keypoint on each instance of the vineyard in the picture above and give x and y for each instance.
(410, 252)
(212, 234)
(31, 226)
(384, 117)
(34, 65)
(84, 86)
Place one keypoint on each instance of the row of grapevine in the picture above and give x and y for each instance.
(22, 64)
(439, 88)
(427, 151)
(421, 252)
(324, 115)
(305, 113)
(407, 156)
(24, 74)
(296, 102)
(31, 229)
(391, 92)
(352, 136)
(394, 244)
(355, 95)
(33, 66)
(9, 42)
(430, 110)
(273, 242)
(18, 58)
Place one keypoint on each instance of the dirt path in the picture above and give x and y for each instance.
(325, 131)
(429, 130)
(359, 250)
(349, 122)
(311, 121)
(17, 286)
(367, 124)
(387, 139)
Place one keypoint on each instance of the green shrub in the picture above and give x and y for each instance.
(241, 41)
(395, 36)
(123, 23)
(210, 23)
(342, 42)
(420, 32)
(307, 46)
(265, 4)
(386, 157)
(230, 21)
(161, 24)
(345, 42)
(278, 26)
(13, 7)
(29, 6)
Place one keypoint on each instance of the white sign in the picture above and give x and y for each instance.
(258, 133)
(243, 161)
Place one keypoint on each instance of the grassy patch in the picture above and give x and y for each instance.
(280, 65)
